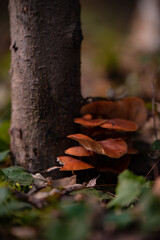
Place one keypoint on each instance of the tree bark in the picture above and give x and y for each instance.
(45, 79)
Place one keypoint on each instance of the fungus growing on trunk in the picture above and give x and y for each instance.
(131, 108)
(106, 142)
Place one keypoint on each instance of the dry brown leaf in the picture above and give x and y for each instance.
(40, 181)
(92, 182)
(64, 182)
(23, 232)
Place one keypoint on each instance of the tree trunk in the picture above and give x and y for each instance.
(45, 78)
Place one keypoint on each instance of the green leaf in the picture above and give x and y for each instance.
(9, 170)
(93, 193)
(150, 212)
(3, 155)
(18, 175)
(12, 206)
(155, 146)
(73, 225)
(121, 220)
(8, 203)
(2, 175)
(4, 193)
(129, 188)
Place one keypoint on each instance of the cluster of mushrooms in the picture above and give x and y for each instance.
(105, 141)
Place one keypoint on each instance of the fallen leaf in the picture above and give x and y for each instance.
(73, 188)
(38, 199)
(64, 182)
(92, 182)
(23, 232)
(40, 181)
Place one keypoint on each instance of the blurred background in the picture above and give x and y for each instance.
(120, 50)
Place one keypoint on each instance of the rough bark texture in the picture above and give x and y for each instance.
(45, 77)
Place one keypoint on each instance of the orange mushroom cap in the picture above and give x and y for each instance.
(72, 164)
(89, 122)
(88, 116)
(120, 124)
(78, 151)
(131, 108)
(114, 148)
(115, 124)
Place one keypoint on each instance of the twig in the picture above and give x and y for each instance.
(152, 167)
(111, 194)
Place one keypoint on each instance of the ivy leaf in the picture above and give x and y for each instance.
(9, 170)
(129, 188)
(18, 175)
(3, 155)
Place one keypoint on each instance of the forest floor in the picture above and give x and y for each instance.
(89, 204)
